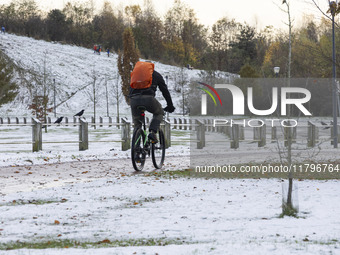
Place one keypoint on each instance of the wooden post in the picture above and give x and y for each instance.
(241, 132)
(256, 136)
(25, 120)
(190, 125)
(83, 135)
(36, 135)
(8, 120)
(1, 121)
(126, 137)
(175, 123)
(293, 134)
(166, 128)
(117, 121)
(74, 121)
(180, 123)
(110, 121)
(235, 139)
(101, 121)
(93, 121)
(185, 122)
(262, 142)
(66, 121)
(200, 131)
(332, 133)
(312, 134)
(274, 134)
(17, 120)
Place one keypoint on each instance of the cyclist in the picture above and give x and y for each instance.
(145, 96)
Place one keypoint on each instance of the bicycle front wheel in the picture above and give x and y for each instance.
(158, 151)
(138, 153)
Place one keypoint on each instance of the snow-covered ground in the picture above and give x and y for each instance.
(195, 216)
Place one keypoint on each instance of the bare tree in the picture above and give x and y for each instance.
(181, 86)
(287, 208)
(117, 92)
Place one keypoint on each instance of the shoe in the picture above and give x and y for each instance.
(152, 137)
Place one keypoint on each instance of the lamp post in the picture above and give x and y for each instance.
(54, 99)
(333, 9)
(276, 71)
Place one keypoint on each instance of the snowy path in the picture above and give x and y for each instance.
(27, 178)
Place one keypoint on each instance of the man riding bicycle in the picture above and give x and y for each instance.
(144, 83)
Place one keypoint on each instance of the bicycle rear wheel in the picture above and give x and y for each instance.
(158, 151)
(138, 153)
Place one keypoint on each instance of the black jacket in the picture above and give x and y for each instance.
(157, 81)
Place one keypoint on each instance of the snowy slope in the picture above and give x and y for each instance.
(74, 68)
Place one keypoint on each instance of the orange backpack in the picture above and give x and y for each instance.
(141, 76)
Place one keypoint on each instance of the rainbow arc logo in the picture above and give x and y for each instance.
(204, 96)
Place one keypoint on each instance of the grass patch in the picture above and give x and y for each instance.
(106, 243)
(171, 174)
(33, 202)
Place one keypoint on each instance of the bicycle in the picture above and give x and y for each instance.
(141, 146)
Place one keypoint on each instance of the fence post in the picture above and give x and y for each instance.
(1, 121)
(263, 132)
(66, 121)
(93, 121)
(83, 135)
(332, 133)
(74, 121)
(180, 123)
(126, 137)
(185, 124)
(235, 139)
(241, 132)
(190, 125)
(256, 136)
(312, 133)
(8, 120)
(36, 135)
(25, 120)
(117, 121)
(101, 121)
(175, 123)
(166, 128)
(274, 134)
(200, 131)
(110, 121)
(16, 120)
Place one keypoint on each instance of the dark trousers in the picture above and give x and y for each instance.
(151, 105)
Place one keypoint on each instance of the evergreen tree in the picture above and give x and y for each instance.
(7, 87)
(127, 60)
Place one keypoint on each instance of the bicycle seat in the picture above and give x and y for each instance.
(142, 108)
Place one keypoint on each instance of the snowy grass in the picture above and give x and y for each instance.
(169, 213)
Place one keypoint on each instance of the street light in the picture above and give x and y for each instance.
(333, 6)
(276, 71)
(54, 99)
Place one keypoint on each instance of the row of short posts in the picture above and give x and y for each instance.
(83, 135)
(236, 133)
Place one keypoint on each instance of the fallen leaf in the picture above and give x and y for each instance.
(56, 222)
